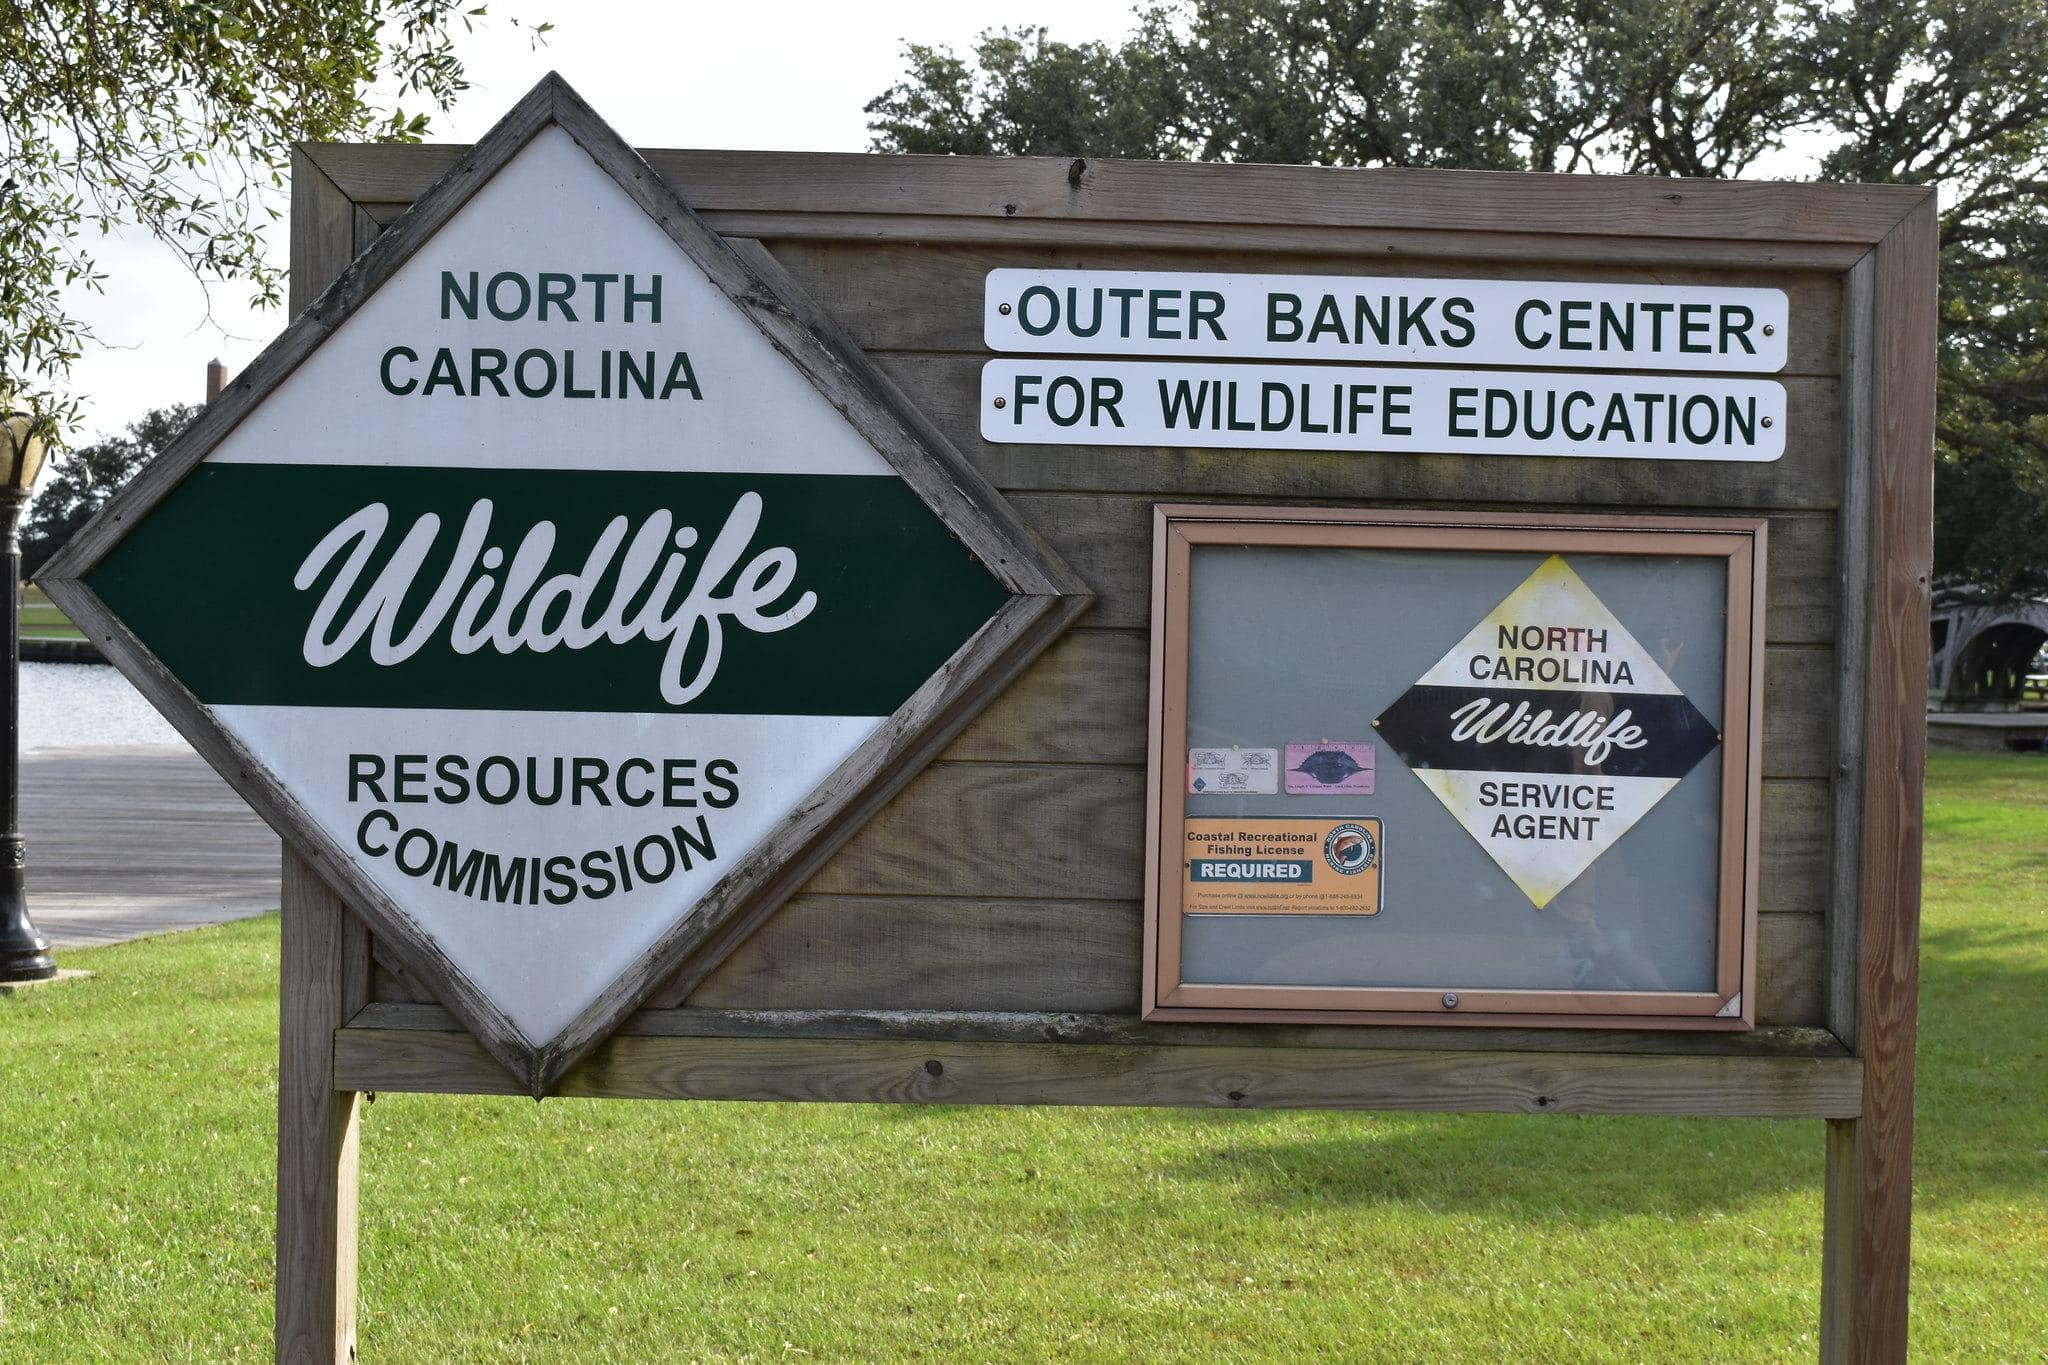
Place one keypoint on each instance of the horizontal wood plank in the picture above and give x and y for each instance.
(914, 296)
(935, 953)
(1040, 1026)
(1388, 244)
(1084, 701)
(1799, 698)
(1070, 190)
(916, 1072)
(1083, 957)
(1107, 539)
(1053, 831)
(1794, 865)
(1001, 829)
(948, 389)
(1789, 951)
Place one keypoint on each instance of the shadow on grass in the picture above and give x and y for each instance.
(1588, 1169)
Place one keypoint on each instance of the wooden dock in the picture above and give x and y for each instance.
(123, 843)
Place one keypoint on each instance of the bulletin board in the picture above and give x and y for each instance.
(1469, 768)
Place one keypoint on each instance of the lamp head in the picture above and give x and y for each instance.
(21, 448)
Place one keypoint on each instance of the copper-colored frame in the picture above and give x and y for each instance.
(1730, 1005)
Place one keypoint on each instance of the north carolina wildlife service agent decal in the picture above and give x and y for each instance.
(562, 587)
(1548, 731)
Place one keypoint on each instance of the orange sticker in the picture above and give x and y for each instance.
(1253, 865)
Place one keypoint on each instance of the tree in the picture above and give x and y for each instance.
(88, 476)
(179, 118)
(1952, 93)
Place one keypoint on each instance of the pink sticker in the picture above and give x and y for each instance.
(1313, 769)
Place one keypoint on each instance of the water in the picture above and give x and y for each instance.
(79, 706)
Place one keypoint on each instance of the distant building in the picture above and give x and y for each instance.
(1981, 653)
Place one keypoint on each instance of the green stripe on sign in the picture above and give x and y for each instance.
(482, 610)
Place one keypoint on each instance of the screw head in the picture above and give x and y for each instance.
(1003, 308)
(1450, 1000)
(1767, 421)
(1769, 330)
(999, 402)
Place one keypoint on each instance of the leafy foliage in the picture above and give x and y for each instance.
(1952, 93)
(179, 118)
(87, 477)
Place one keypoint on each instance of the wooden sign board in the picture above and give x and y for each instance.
(979, 936)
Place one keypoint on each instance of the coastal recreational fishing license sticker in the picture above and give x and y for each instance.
(1259, 866)
(1233, 772)
(1548, 731)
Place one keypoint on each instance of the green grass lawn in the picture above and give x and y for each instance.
(135, 1194)
(41, 619)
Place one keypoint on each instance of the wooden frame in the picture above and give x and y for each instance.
(1178, 529)
(1043, 595)
(1848, 1061)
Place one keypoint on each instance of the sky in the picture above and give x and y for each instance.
(760, 74)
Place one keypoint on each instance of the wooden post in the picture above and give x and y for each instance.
(1865, 1255)
(324, 969)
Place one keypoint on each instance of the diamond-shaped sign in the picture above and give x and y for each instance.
(1548, 731)
(563, 587)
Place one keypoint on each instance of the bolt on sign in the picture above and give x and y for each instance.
(577, 585)
(604, 587)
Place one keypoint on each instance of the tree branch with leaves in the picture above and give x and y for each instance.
(1951, 93)
(179, 118)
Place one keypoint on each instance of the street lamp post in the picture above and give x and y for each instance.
(24, 953)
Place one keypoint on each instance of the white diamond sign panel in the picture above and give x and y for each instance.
(557, 588)
(1548, 731)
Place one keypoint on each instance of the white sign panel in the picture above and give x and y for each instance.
(1364, 319)
(552, 587)
(1057, 401)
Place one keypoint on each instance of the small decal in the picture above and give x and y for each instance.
(1351, 849)
(1233, 772)
(1320, 768)
(1548, 731)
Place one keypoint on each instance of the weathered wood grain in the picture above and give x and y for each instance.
(1866, 1253)
(1070, 190)
(934, 953)
(1796, 858)
(939, 953)
(1084, 701)
(1001, 829)
(323, 957)
(1056, 831)
(914, 296)
(1788, 978)
(1388, 244)
(920, 1072)
(323, 224)
(1070, 1029)
(948, 388)
(1107, 539)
